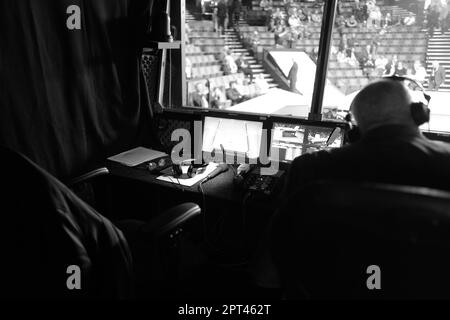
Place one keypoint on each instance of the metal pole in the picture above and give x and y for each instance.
(322, 60)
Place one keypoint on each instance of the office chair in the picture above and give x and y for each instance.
(47, 228)
(328, 234)
(155, 244)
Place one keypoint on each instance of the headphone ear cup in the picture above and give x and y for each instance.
(420, 113)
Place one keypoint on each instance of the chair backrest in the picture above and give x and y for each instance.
(328, 234)
(46, 230)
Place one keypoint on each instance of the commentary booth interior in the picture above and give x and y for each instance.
(147, 150)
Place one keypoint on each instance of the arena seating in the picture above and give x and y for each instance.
(409, 43)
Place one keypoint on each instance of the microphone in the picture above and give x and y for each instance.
(223, 167)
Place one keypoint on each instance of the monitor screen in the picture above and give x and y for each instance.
(293, 140)
(234, 136)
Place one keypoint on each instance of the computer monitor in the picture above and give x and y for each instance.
(290, 140)
(239, 137)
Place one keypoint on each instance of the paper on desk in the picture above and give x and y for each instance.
(137, 156)
(192, 181)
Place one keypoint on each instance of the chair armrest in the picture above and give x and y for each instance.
(88, 176)
(171, 219)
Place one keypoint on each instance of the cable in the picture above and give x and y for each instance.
(177, 183)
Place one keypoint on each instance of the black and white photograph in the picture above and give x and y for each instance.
(225, 158)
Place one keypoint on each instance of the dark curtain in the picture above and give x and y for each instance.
(70, 98)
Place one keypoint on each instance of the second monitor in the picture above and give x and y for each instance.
(239, 137)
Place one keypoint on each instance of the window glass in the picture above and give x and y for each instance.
(372, 39)
(256, 56)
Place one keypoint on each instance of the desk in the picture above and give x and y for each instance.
(230, 212)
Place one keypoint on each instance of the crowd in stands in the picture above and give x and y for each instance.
(226, 13)
(293, 21)
(235, 64)
(375, 65)
(437, 15)
(367, 14)
(222, 97)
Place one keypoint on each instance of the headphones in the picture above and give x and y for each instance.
(193, 170)
(420, 111)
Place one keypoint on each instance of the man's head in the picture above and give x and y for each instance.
(381, 103)
(435, 64)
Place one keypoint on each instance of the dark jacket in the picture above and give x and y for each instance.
(389, 154)
(46, 229)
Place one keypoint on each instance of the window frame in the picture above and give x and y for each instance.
(315, 113)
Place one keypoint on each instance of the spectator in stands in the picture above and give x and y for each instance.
(390, 66)
(246, 6)
(360, 12)
(222, 12)
(375, 43)
(409, 20)
(343, 44)
(234, 9)
(387, 21)
(277, 16)
(433, 16)
(215, 19)
(351, 22)
(366, 55)
(253, 42)
(380, 65)
(419, 72)
(279, 33)
(218, 99)
(199, 97)
(352, 42)
(262, 86)
(340, 25)
(244, 67)
(374, 13)
(293, 36)
(351, 57)
(233, 94)
(400, 69)
(243, 87)
(316, 16)
(229, 65)
(294, 20)
(437, 76)
(288, 4)
(302, 15)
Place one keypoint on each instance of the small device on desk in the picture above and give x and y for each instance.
(265, 184)
(144, 158)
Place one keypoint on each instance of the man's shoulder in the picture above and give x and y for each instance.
(324, 158)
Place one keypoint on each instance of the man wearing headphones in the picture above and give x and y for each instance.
(391, 148)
